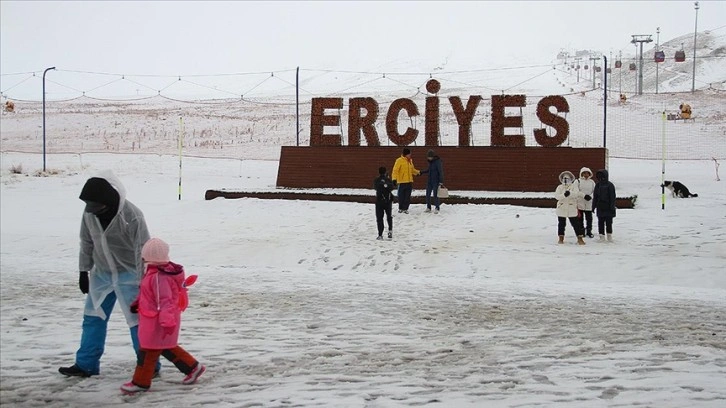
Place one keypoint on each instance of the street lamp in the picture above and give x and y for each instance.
(44, 72)
(695, 35)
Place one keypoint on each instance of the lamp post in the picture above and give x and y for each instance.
(695, 36)
(44, 72)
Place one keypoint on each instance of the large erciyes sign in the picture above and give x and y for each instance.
(365, 124)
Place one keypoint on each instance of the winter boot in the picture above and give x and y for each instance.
(561, 240)
(602, 237)
(390, 234)
(192, 377)
(610, 237)
(130, 388)
(73, 371)
(580, 241)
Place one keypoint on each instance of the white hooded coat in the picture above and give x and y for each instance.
(587, 187)
(567, 206)
(113, 256)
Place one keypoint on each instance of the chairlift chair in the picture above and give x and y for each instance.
(659, 56)
(618, 64)
(680, 56)
(632, 66)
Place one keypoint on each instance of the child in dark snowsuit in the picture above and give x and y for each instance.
(384, 201)
(603, 202)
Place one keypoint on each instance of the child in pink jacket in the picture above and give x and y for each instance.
(162, 298)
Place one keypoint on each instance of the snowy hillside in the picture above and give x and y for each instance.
(150, 116)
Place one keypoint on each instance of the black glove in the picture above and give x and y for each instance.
(587, 197)
(567, 193)
(83, 282)
(134, 307)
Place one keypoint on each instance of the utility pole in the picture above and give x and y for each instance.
(695, 36)
(610, 66)
(640, 39)
(620, 73)
(657, 67)
(577, 68)
(593, 60)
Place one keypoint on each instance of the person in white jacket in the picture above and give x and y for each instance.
(587, 186)
(113, 231)
(567, 195)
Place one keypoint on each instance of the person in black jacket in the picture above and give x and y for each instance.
(384, 201)
(436, 179)
(603, 202)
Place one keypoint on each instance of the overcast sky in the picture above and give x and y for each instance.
(188, 37)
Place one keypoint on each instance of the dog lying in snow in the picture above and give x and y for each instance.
(678, 189)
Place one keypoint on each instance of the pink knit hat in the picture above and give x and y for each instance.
(155, 251)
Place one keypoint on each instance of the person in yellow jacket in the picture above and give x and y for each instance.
(402, 174)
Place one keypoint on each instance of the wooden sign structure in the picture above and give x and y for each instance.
(506, 165)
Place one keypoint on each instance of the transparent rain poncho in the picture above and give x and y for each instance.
(113, 256)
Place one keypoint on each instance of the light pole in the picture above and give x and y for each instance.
(695, 35)
(44, 72)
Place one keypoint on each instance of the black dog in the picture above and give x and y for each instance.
(678, 189)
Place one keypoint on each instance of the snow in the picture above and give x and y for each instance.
(298, 305)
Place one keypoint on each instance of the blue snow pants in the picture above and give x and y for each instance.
(93, 338)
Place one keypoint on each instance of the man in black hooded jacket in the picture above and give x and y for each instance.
(113, 231)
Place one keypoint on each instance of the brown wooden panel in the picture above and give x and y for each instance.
(485, 168)
(543, 202)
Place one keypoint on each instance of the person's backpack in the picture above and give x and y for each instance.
(384, 186)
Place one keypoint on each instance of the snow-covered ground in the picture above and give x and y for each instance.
(298, 305)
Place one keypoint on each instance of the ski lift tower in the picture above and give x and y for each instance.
(639, 39)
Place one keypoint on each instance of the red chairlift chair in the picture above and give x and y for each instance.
(659, 56)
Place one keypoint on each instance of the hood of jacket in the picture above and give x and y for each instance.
(105, 188)
(602, 175)
(586, 169)
(171, 269)
(566, 174)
